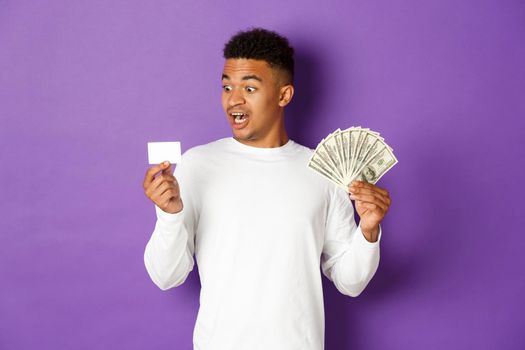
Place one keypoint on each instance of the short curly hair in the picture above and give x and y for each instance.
(262, 44)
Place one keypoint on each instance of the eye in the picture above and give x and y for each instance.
(250, 89)
(227, 88)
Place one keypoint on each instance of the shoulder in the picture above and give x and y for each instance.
(303, 152)
(303, 148)
(199, 152)
(302, 156)
(196, 161)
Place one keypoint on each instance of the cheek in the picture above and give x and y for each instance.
(263, 104)
(270, 106)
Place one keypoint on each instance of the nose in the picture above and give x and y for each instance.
(236, 97)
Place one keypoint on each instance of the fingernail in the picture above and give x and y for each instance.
(165, 163)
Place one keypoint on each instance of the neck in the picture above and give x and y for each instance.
(267, 142)
(276, 137)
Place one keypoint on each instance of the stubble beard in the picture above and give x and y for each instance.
(250, 136)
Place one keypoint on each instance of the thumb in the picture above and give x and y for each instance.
(166, 167)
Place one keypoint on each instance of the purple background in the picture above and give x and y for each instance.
(84, 86)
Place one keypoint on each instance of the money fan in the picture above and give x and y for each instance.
(352, 154)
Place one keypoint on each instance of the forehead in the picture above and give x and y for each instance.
(236, 68)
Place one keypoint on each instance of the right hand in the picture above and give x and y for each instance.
(163, 190)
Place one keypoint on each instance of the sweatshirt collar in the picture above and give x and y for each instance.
(284, 149)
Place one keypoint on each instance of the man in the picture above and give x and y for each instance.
(368, 173)
(259, 221)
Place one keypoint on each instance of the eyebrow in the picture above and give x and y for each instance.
(246, 77)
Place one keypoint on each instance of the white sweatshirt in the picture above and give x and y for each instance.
(260, 223)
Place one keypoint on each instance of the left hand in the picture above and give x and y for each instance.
(371, 203)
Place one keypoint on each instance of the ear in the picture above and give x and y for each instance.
(285, 95)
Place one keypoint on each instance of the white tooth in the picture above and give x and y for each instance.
(239, 119)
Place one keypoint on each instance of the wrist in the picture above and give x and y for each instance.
(371, 234)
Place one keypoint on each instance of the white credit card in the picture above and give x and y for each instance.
(161, 151)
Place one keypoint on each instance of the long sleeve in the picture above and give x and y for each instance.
(348, 259)
(168, 255)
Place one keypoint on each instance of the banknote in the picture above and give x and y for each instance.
(354, 153)
(377, 166)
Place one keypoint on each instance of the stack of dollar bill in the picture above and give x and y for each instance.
(352, 154)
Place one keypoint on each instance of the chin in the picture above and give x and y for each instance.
(244, 135)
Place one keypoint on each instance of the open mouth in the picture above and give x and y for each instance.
(239, 117)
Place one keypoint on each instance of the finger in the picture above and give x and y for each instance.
(165, 184)
(162, 187)
(373, 192)
(366, 190)
(367, 198)
(164, 177)
(166, 168)
(155, 184)
(157, 193)
(164, 195)
(150, 173)
(368, 195)
(168, 196)
(363, 184)
(371, 206)
(158, 181)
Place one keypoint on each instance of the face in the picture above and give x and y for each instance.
(253, 98)
(369, 173)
